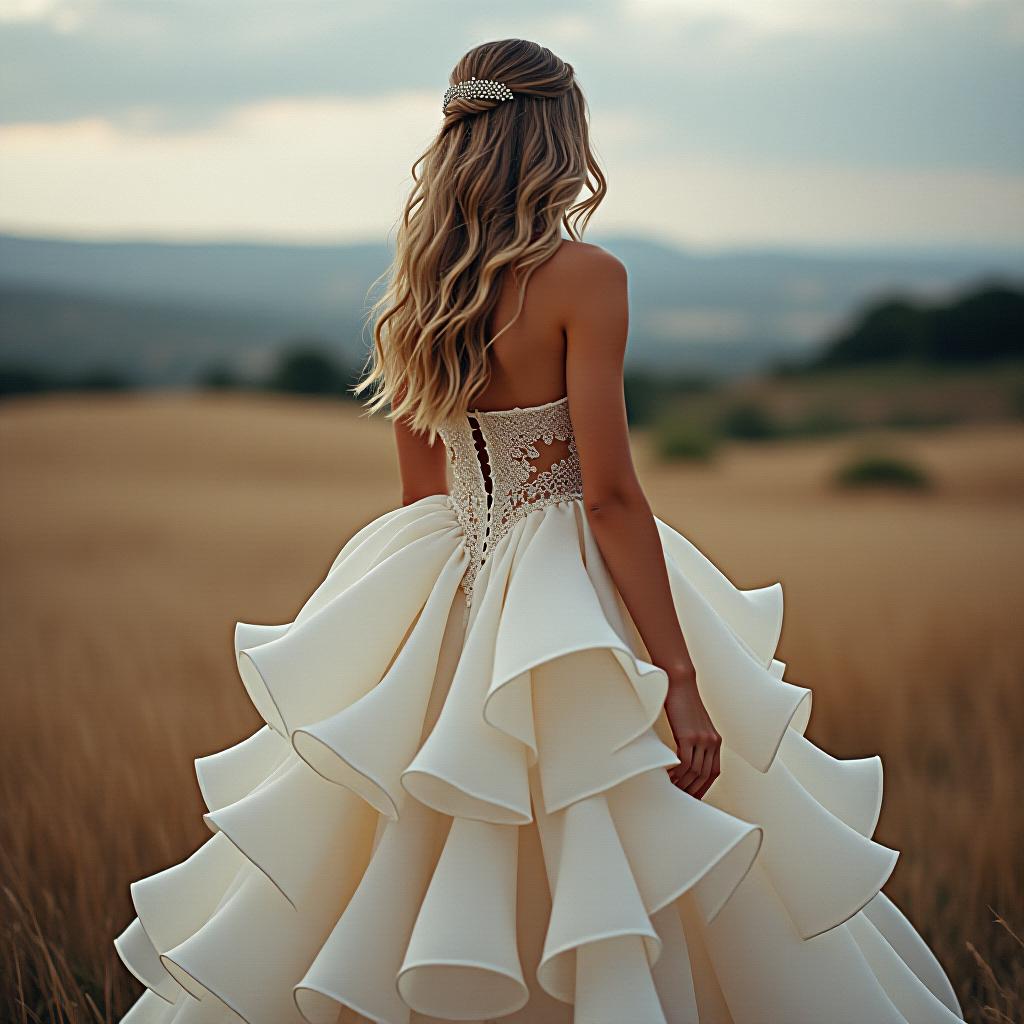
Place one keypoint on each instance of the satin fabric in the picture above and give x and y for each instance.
(463, 812)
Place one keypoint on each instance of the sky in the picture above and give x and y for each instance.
(720, 123)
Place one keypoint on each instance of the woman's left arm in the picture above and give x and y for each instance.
(422, 466)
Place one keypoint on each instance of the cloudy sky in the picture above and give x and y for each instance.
(719, 122)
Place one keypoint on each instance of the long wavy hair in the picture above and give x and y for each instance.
(489, 196)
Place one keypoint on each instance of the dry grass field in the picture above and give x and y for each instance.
(137, 530)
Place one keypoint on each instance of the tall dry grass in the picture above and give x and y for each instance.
(136, 531)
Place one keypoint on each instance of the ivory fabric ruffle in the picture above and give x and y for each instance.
(463, 812)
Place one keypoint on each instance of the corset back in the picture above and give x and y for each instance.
(504, 464)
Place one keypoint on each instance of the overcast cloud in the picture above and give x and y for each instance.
(828, 122)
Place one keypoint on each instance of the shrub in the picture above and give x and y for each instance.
(307, 369)
(1017, 404)
(916, 419)
(880, 470)
(750, 422)
(24, 380)
(100, 379)
(220, 377)
(649, 394)
(678, 439)
(823, 422)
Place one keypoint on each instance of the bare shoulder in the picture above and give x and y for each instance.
(585, 283)
(586, 264)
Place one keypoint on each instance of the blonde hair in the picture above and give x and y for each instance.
(489, 195)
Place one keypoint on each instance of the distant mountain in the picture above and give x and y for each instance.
(146, 343)
(161, 313)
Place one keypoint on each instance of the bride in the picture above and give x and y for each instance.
(528, 754)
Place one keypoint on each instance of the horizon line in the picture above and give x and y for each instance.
(256, 240)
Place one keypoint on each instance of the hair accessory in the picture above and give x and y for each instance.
(477, 89)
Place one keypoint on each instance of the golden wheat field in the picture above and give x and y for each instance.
(137, 530)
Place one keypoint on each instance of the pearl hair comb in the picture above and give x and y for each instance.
(477, 89)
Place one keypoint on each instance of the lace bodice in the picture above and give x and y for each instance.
(504, 464)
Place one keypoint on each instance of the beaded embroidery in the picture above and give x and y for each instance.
(516, 442)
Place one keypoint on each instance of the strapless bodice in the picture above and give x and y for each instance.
(504, 464)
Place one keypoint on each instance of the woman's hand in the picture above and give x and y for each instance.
(697, 740)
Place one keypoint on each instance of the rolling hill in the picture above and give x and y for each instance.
(161, 313)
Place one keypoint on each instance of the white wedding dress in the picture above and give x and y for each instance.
(459, 808)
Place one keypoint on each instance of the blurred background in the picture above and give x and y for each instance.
(821, 207)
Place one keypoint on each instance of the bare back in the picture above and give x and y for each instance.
(528, 360)
(568, 341)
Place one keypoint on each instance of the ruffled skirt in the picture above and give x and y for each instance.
(462, 812)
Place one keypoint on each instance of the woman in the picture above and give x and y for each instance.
(528, 753)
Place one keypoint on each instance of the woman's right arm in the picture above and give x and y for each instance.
(596, 324)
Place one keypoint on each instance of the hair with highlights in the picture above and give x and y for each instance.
(489, 196)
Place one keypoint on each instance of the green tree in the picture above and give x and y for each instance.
(988, 324)
(892, 329)
(308, 368)
(220, 377)
(984, 324)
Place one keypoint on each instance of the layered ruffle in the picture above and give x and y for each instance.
(462, 813)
